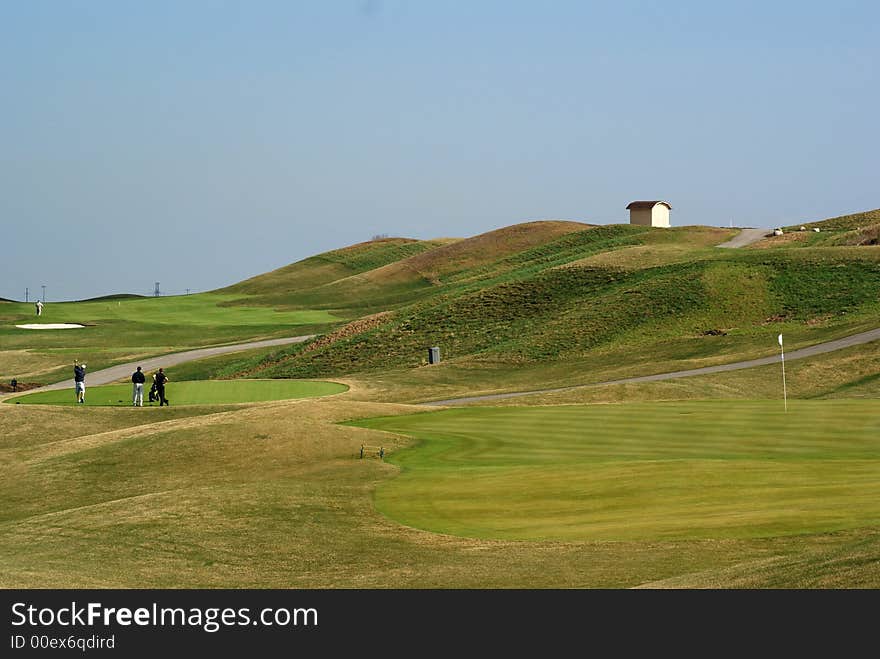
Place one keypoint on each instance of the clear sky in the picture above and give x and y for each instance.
(199, 143)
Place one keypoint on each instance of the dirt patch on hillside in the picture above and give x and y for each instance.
(784, 240)
(861, 237)
(353, 328)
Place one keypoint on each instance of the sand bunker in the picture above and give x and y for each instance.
(50, 326)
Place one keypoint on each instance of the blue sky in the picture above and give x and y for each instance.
(199, 143)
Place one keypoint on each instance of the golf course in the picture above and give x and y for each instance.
(320, 461)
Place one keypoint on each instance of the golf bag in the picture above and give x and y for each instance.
(154, 395)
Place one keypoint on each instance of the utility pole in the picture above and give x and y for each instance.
(44, 293)
(156, 292)
(26, 294)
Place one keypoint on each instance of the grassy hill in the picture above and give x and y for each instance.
(473, 253)
(855, 229)
(843, 222)
(330, 266)
(539, 294)
(530, 305)
(305, 282)
(385, 274)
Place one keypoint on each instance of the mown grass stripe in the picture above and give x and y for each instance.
(727, 469)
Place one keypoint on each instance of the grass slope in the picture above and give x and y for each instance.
(567, 313)
(855, 229)
(843, 222)
(290, 284)
(350, 289)
(471, 253)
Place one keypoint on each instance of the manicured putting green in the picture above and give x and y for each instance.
(661, 471)
(196, 392)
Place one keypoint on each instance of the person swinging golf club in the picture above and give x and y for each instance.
(79, 381)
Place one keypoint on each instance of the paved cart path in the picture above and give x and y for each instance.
(746, 237)
(124, 371)
(801, 353)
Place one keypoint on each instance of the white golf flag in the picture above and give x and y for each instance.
(780, 339)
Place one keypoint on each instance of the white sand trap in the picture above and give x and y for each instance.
(50, 326)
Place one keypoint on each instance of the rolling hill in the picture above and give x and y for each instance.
(557, 297)
(855, 229)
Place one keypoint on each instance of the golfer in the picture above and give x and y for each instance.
(39, 306)
(160, 379)
(137, 387)
(79, 381)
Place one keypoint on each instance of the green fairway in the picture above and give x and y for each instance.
(119, 330)
(211, 309)
(202, 392)
(645, 472)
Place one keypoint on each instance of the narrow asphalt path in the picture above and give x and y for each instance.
(810, 351)
(746, 237)
(124, 371)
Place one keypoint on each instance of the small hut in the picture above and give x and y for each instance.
(649, 213)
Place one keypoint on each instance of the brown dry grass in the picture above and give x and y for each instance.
(21, 364)
(367, 245)
(863, 236)
(42, 366)
(319, 270)
(785, 240)
(274, 495)
(473, 252)
(844, 222)
(351, 329)
(675, 245)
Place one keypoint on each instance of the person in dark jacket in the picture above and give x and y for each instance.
(79, 381)
(137, 387)
(160, 379)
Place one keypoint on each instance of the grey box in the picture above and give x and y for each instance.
(434, 355)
